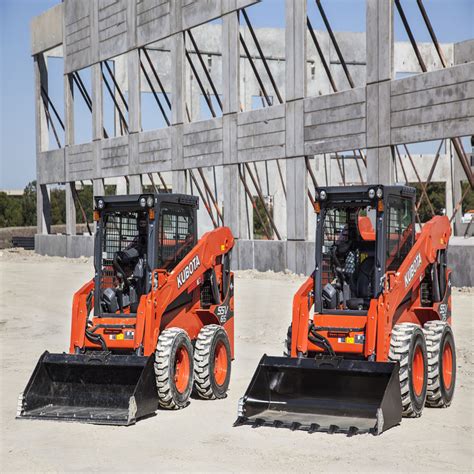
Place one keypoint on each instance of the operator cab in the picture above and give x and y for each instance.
(362, 232)
(136, 234)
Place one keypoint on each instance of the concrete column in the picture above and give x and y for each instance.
(230, 63)
(97, 103)
(43, 209)
(134, 96)
(43, 206)
(179, 182)
(380, 45)
(296, 198)
(70, 210)
(68, 110)
(177, 79)
(98, 187)
(296, 174)
(135, 184)
(69, 139)
(295, 49)
(234, 195)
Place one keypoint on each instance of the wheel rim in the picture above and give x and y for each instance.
(181, 369)
(220, 363)
(447, 365)
(418, 371)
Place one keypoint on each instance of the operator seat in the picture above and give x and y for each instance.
(363, 281)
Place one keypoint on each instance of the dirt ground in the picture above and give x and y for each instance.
(35, 300)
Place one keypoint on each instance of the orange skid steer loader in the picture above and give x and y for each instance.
(370, 338)
(155, 322)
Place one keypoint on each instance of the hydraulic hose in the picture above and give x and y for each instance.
(96, 339)
(320, 340)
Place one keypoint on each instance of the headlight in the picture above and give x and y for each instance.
(322, 195)
(379, 193)
(150, 200)
(142, 201)
(371, 193)
(100, 204)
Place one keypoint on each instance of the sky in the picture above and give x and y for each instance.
(452, 20)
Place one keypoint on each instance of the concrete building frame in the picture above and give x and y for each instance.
(377, 115)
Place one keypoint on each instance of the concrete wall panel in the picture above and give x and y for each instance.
(261, 134)
(153, 20)
(433, 105)
(78, 34)
(112, 26)
(79, 162)
(114, 157)
(47, 30)
(202, 143)
(154, 151)
(51, 167)
(335, 122)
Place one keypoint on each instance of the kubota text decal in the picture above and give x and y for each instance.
(412, 269)
(188, 270)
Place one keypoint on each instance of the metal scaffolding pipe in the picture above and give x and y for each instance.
(262, 200)
(114, 99)
(206, 72)
(213, 199)
(204, 200)
(334, 42)
(321, 55)
(254, 206)
(155, 95)
(431, 32)
(157, 78)
(198, 79)
(262, 56)
(254, 69)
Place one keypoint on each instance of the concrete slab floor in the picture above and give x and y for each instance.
(35, 305)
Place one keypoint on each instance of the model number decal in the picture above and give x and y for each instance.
(188, 270)
(412, 269)
(221, 312)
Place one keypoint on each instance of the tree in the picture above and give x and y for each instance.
(28, 204)
(10, 211)
(468, 202)
(437, 194)
(58, 206)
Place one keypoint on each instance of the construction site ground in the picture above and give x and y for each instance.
(35, 306)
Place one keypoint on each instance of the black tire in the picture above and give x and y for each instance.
(408, 347)
(212, 347)
(173, 343)
(440, 340)
(287, 347)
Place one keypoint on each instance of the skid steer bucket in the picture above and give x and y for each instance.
(92, 388)
(323, 394)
